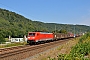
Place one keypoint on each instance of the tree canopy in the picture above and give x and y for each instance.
(17, 25)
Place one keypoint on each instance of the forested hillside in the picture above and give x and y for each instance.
(17, 25)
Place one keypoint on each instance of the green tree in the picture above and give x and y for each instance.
(62, 31)
(2, 39)
(17, 25)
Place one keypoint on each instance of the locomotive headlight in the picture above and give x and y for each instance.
(33, 37)
(55, 35)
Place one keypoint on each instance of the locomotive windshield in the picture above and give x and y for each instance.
(31, 34)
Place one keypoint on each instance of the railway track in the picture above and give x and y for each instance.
(34, 49)
(11, 48)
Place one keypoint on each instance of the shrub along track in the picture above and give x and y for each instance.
(23, 52)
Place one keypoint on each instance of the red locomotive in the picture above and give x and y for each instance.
(34, 37)
(39, 36)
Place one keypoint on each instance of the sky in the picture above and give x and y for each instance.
(51, 11)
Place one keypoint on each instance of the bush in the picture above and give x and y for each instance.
(2, 39)
(84, 37)
(79, 51)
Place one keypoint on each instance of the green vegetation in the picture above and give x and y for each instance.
(12, 44)
(16, 25)
(2, 39)
(60, 31)
(80, 51)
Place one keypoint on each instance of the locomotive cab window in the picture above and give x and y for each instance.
(31, 34)
(37, 34)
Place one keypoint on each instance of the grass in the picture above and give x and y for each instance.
(6, 39)
(53, 53)
(12, 44)
(81, 51)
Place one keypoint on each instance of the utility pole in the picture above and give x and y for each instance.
(74, 31)
(55, 28)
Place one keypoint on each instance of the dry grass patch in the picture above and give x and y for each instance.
(53, 53)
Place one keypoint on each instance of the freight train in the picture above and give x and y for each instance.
(35, 37)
